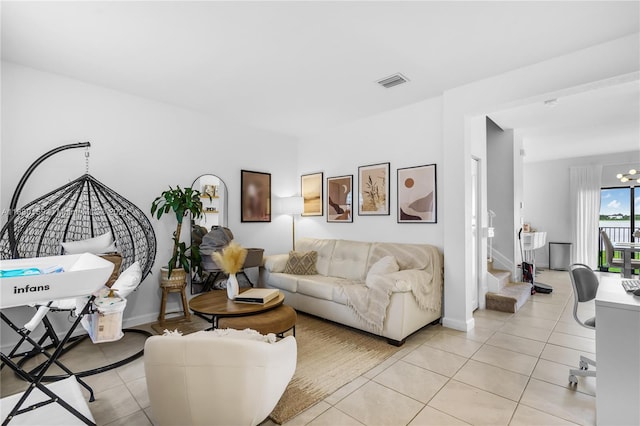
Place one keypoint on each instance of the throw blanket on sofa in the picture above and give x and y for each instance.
(370, 301)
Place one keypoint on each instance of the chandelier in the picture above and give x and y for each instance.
(631, 176)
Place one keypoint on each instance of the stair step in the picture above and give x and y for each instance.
(510, 298)
(498, 273)
(503, 278)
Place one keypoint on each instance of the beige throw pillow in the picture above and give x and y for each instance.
(384, 266)
(301, 263)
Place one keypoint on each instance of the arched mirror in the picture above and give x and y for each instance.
(214, 202)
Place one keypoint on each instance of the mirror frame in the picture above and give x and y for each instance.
(224, 208)
(223, 213)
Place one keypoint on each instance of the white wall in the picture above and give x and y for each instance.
(139, 147)
(547, 197)
(404, 137)
(500, 187)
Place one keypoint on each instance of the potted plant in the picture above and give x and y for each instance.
(180, 202)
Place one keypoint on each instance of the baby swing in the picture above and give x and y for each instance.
(78, 211)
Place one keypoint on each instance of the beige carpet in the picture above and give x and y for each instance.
(329, 356)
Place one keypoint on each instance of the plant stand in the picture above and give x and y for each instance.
(175, 284)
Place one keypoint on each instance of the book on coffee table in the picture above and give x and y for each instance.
(257, 295)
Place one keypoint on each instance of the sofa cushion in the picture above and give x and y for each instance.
(324, 249)
(301, 263)
(283, 281)
(349, 260)
(317, 286)
(327, 288)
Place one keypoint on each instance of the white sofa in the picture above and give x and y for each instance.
(345, 292)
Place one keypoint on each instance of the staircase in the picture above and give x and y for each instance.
(504, 295)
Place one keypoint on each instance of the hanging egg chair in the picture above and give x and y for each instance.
(79, 210)
(82, 209)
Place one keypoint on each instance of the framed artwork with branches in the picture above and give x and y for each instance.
(373, 189)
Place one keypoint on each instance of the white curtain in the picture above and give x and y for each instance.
(585, 211)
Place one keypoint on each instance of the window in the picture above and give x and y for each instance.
(619, 218)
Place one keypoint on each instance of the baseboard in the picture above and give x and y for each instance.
(140, 319)
(458, 324)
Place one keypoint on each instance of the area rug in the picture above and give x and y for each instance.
(329, 356)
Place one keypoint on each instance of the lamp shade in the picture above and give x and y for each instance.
(292, 205)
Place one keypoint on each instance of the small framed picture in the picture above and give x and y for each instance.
(417, 194)
(209, 190)
(255, 199)
(526, 227)
(311, 190)
(373, 190)
(339, 199)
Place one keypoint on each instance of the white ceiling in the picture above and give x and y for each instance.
(300, 67)
(603, 120)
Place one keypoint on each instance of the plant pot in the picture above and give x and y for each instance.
(178, 278)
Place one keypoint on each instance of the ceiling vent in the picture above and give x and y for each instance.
(392, 80)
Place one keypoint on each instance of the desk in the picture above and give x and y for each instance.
(618, 354)
(627, 250)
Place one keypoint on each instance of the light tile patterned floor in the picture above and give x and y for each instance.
(511, 369)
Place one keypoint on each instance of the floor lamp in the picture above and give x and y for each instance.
(293, 206)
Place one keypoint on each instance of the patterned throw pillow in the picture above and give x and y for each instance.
(301, 263)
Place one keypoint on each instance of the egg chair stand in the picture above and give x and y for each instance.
(81, 209)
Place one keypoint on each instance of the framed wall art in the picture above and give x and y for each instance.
(339, 199)
(311, 190)
(417, 194)
(255, 199)
(373, 189)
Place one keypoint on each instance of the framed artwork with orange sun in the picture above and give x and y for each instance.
(417, 194)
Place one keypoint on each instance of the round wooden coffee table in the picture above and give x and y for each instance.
(215, 304)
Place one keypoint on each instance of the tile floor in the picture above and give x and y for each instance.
(511, 369)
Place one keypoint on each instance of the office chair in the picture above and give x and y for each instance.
(585, 286)
(608, 251)
(615, 262)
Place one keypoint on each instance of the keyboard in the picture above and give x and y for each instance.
(631, 285)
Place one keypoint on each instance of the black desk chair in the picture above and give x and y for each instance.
(585, 286)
